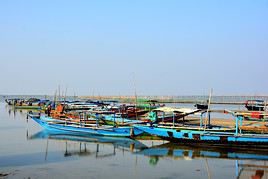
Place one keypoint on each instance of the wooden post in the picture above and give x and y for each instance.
(236, 125)
(85, 118)
(241, 123)
(201, 120)
(97, 120)
(208, 119)
(173, 115)
(114, 119)
(80, 119)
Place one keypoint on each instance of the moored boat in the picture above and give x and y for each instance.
(255, 105)
(203, 105)
(83, 127)
(206, 133)
(28, 107)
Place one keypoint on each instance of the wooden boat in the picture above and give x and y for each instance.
(169, 114)
(255, 105)
(26, 107)
(83, 127)
(13, 101)
(209, 134)
(201, 106)
(30, 104)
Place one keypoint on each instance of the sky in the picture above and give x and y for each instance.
(153, 47)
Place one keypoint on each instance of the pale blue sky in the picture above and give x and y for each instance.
(168, 47)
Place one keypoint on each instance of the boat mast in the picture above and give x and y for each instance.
(65, 94)
(59, 93)
(135, 93)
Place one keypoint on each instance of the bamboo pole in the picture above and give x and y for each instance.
(209, 101)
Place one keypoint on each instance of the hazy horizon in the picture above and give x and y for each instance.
(119, 47)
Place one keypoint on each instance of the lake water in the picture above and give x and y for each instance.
(27, 151)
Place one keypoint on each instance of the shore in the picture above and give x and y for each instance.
(167, 99)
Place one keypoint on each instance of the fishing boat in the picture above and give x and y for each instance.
(215, 135)
(85, 127)
(30, 104)
(27, 107)
(255, 105)
(13, 101)
(201, 105)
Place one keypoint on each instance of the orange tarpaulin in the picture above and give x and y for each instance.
(59, 108)
(256, 115)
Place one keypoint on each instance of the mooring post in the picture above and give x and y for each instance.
(236, 125)
(85, 118)
(80, 116)
(173, 115)
(208, 119)
(114, 119)
(241, 123)
(201, 120)
(236, 169)
(97, 120)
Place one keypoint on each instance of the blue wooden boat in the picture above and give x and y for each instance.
(208, 134)
(85, 129)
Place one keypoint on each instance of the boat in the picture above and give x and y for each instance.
(13, 101)
(85, 127)
(209, 134)
(255, 105)
(170, 114)
(30, 104)
(201, 105)
(27, 107)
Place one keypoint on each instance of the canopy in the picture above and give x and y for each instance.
(177, 110)
(245, 113)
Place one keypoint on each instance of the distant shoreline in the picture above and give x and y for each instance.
(190, 99)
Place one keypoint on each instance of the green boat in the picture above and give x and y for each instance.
(28, 107)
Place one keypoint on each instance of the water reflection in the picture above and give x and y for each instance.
(248, 164)
(187, 152)
(117, 142)
(14, 113)
(254, 171)
(85, 146)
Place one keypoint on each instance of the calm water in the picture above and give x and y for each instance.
(27, 151)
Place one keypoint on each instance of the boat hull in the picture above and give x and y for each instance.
(28, 107)
(255, 108)
(201, 106)
(77, 129)
(227, 139)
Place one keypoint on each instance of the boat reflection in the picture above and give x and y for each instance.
(249, 170)
(125, 144)
(179, 151)
(248, 164)
(73, 148)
